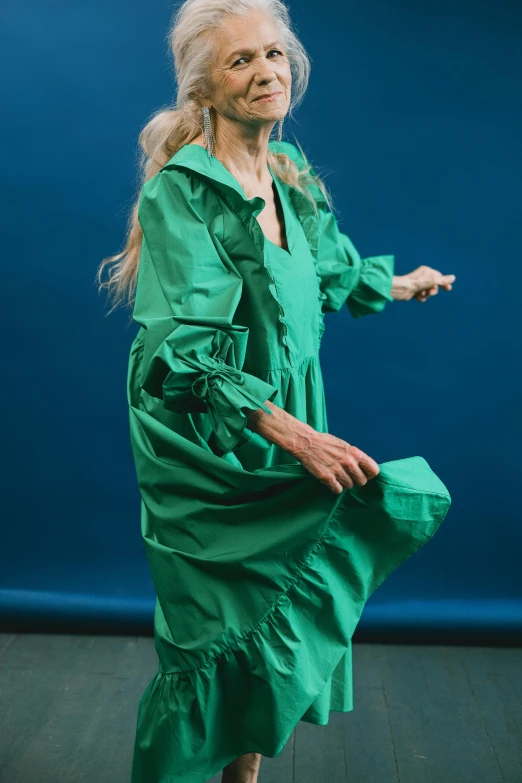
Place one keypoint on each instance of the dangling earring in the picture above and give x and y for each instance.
(280, 130)
(210, 139)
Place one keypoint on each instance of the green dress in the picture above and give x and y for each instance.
(261, 573)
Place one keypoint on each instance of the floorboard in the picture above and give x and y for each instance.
(422, 714)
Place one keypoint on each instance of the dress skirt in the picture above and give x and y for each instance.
(259, 596)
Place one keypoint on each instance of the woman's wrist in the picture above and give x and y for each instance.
(402, 287)
(280, 427)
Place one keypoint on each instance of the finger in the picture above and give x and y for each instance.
(349, 470)
(368, 465)
(332, 484)
(441, 279)
(345, 480)
(358, 476)
(337, 487)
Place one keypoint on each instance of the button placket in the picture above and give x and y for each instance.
(247, 212)
(308, 220)
(260, 242)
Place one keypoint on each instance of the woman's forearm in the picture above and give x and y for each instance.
(280, 427)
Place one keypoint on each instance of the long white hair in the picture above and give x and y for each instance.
(191, 43)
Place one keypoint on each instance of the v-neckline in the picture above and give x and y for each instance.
(282, 200)
(286, 219)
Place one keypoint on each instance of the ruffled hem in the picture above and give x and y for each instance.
(249, 696)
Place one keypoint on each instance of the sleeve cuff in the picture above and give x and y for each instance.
(194, 368)
(223, 393)
(373, 288)
(228, 393)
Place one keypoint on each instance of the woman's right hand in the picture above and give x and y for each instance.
(336, 463)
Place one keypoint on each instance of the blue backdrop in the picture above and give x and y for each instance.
(413, 117)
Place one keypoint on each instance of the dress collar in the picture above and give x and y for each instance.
(194, 157)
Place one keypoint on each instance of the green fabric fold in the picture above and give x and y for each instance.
(373, 289)
(195, 367)
(194, 371)
(284, 651)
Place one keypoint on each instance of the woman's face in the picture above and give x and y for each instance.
(250, 62)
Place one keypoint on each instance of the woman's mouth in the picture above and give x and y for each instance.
(271, 97)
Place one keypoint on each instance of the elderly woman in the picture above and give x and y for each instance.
(265, 534)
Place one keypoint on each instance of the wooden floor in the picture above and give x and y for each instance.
(423, 714)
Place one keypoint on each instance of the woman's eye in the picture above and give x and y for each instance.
(243, 58)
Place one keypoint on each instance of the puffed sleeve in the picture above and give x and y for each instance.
(186, 298)
(364, 284)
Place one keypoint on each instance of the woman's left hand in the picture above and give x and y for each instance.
(420, 284)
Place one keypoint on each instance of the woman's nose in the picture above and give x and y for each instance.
(265, 71)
